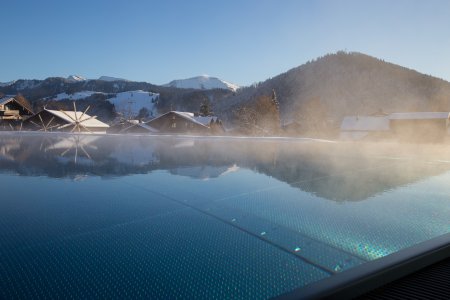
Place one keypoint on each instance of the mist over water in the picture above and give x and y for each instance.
(302, 209)
(333, 170)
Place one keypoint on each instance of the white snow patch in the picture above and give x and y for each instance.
(75, 78)
(203, 82)
(75, 96)
(132, 102)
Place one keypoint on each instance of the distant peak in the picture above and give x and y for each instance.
(3, 84)
(75, 78)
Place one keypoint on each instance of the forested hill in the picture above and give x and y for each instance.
(321, 91)
(342, 84)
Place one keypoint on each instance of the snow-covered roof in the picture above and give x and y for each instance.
(365, 123)
(8, 99)
(5, 100)
(419, 115)
(199, 120)
(71, 116)
(136, 123)
(203, 121)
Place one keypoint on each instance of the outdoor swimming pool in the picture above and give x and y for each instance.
(180, 217)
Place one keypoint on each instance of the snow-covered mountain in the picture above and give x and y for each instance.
(3, 84)
(75, 78)
(203, 82)
(109, 78)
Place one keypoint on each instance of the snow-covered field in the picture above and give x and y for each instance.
(128, 103)
(133, 101)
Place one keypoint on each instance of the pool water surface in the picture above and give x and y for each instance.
(85, 216)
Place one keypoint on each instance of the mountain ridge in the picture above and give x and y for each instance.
(325, 89)
(202, 82)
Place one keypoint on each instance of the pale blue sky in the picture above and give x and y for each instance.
(241, 41)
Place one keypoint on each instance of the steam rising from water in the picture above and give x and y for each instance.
(340, 171)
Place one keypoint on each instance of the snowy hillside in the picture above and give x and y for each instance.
(127, 103)
(203, 83)
(133, 101)
(75, 96)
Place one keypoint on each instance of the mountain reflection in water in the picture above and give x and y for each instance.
(334, 171)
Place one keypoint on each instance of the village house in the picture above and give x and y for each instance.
(403, 126)
(66, 121)
(13, 112)
(186, 123)
(420, 126)
(365, 127)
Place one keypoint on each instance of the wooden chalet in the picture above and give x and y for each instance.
(404, 126)
(420, 126)
(186, 123)
(13, 112)
(365, 127)
(66, 121)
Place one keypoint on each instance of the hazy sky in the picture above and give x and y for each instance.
(241, 41)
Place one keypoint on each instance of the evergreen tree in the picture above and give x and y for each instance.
(275, 100)
(205, 109)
